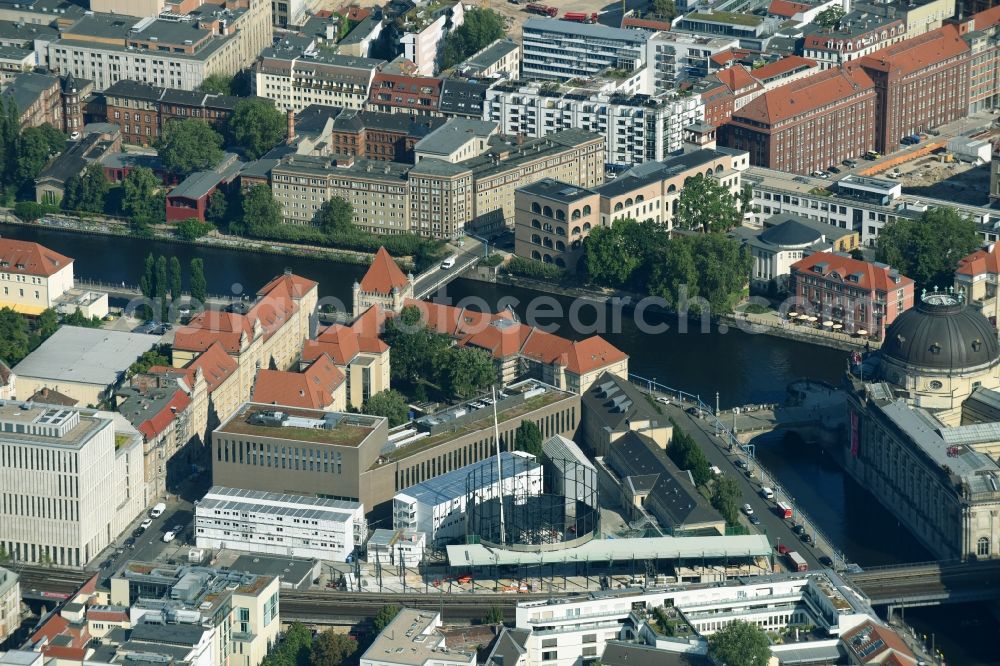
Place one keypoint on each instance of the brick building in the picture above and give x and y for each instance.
(809, 124)
(858, 295)
(920, 83)
(395, 88)
(379, 136)
(140, 110)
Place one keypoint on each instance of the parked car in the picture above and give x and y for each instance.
(747, 509)
(176, 529)
(799, 529)
(833, 169)
(663, 400)
(782, 548)
(754, 520)
(742, 464)
(137, 532)
(146, 524)
(826, 561)
(850, 164)
(130, 542)
(806, 538)
(168, 537)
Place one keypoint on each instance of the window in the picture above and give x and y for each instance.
(983, 546)
(549, 655)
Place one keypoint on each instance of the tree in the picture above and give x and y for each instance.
(77, 318)
(217, 84)
(335, 215)
(139, 200)
(831, 16)
(175, 278)
(415, 348)
(528, 438)
(35, 147)
(257, 126)
(47, 323)
(480, 28)
(161, 287)
(147, 283)
(494, 615)
(464, 371)
(707, 205)
(725, 498)
(199, 285)
(217, 211)
(384, 616)
(663, 9)
(261, 212)
(87, 191)
(928, 248)
(153, 357)
(189, 145)
(29, 211)
(332, 648)
(192, 229)
(14, 341)
(390, 404)
(740, 643)
(294, 649)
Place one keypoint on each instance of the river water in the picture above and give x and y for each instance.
(743, 368)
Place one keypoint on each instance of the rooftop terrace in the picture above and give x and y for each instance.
(304, 425)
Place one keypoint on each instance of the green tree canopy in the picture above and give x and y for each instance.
(294, 649)
(725, 498)
(87, 191)
(261, 212)
(707, 205)
(189, 145)
(831, 16)
(528, 438)
(140, 199)
(192, 229)
(159, 355)
(335, 215)
(77, 318)
(480, 28)
(47, 323)
(686, 454)
(390, 404)
(217, 211)
(740, 643)
(332, 648)
(464, 371)
(35, 147)
(663, 9)
(494, 615)
(218, 84)
(199, 286)
(384, 616)
(928, 248)
(257, 126)
(14, 342)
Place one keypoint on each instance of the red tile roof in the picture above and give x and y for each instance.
(383, 275)
(737, 78)
(107, 615)
(866, 637)
(805, 95)
(311, 389)
(985, 261)
(917, 53)
(293, 285)
(25, 258)
(870, 276)
(159, 422)
(652, 24)
(73, 641)
(787, 64)
(786, 9)
(986, 18)
(215, 364)
(729, 55)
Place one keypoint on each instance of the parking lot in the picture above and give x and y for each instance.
(609, 13)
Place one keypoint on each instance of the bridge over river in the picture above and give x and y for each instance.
(929, 583)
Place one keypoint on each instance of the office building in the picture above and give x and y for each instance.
(10, 604)
(396, 547)
(372, 135)
(319, 385)
(614, 407)
(352, 456)
(174, 51)
(857, 295)
(87, 364)
(295, 80)
(214, 616)
(858, 34)
(501, 59)
(553, 49)
(71, 481)
(424, 28)
(459, 139)
(413, 639)
(436, 507)
(636, 128)
(551, 220)
(260, 522)
(977, 277)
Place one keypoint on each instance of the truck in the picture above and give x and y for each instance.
(539, 8)
(784, 510)
(580, 17)
(157, 510)
(796, 562)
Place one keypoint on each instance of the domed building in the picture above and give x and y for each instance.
(939, 352)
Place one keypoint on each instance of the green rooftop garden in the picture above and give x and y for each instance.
(727, 17)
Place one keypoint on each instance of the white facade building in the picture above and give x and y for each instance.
(397, 547)
(295, 81)
(564, 631)
(69, 483)
(295, 525)
(422, 39)
(32, 276)
(10, 603)
(636, 128)
(564, 50)
(672, 57)
(413, 639)
(437, 506)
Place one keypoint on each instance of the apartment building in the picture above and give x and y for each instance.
(674, 57)
(551, 219)
(10, 604)
(982, 33)
(398, 87)
(295, 80)
(32, 277)
(175, 51)
(71, 480)
(372, 135)
(977, 277)
(294, 525)
(553, 49)
(413, 638)
(502, 58)
(424, 28)
(858, 295)
(437, 507)
(435, 197)
(636, 128)
(809, 124)
(141, 110)
(351, 457)
(858, 34)
(210, 616)
(920, 83)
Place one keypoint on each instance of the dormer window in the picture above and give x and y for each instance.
(935, 348)
(977, 344)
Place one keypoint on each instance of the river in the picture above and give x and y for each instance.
(743, 368)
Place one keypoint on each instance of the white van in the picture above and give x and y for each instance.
(715, 471)
(448, 263)
(766, 493)
(157, 510)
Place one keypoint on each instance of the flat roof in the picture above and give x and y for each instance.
(491, 54)
(92, 356)
(556, 190)
(452, 485)
(605, 550)
(346, 429)
(412, 639)
(454, 134)
(292, 570)
(278, 504)
(586, 30)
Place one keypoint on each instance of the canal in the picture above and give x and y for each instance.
(742, 367)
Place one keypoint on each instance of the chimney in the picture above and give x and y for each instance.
(291, 127)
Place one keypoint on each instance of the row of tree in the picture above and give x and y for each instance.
(425, 358)
(162, 282)
(687, 455)
(642, 257)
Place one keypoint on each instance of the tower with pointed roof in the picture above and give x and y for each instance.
(384, 284)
